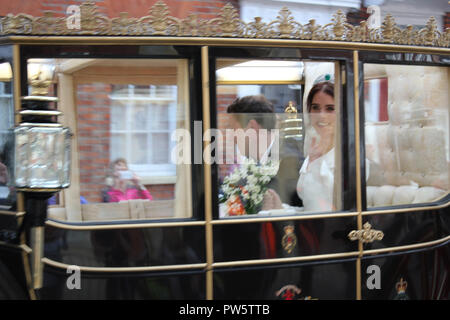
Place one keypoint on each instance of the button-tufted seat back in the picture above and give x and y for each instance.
(409, 154)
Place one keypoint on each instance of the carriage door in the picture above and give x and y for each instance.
(280, 232)
(132, 212)
(406, 147)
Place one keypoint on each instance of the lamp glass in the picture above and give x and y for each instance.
(42, 157)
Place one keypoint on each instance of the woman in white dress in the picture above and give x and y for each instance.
(316, 181)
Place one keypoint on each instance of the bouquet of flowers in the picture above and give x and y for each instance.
(244, 189)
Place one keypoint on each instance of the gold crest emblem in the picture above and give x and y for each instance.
(289, 240)
(401, 290)
(291, 292)
(288, 292)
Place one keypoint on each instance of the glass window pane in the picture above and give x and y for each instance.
(118, 145)
(125, 117)
(276, 155)
(139, 117)
(159, 116)
(139, 145)
(407, 134)
(7, 191)
(118, 113)
(160, 147)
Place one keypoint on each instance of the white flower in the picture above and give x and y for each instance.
(234, 177)
(257, 198)
(265, 179)
(227, 190)
(246, 195)
(252, 180)
(253, 168)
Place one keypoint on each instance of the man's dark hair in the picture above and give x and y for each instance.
(255, 106)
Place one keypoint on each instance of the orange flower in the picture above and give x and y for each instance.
(244, 191)
(235, 206)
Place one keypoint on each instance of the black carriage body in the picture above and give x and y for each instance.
(203, 256)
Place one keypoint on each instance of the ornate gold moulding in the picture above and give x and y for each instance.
(158, 22)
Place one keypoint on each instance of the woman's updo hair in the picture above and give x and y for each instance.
(325, 87)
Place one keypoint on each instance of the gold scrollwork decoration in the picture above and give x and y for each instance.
(92, 22)
(366, 234)
(159, 22)
(339, 27)
(48, 24)
(286, 25)
(123, 25)
(226, 23)
(18, 24)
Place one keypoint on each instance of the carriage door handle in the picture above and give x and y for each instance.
(366, 234)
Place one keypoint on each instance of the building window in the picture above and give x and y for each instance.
(142, 119)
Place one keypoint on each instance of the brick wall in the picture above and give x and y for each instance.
(447, 20)
(93, 106)
(162, 191)
(354, 17)
(112, 8)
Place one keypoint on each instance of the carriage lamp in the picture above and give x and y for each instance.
(42, 145)
(42, 153)
(42, 157)
(42, 167)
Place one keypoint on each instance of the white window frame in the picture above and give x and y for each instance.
(148, 171)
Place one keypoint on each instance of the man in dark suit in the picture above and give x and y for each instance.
(257, 112)
(264, 240)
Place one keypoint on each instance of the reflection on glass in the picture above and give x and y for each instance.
(408, 148)
(118, 145)
(302, 178)
(139, 117)
(162, 150)
(139, 144)
(160, 116)
(117, 115)
(125, 117)
(7, 192)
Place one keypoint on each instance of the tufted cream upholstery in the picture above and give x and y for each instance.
(409, 154)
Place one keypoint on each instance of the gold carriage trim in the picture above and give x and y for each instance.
(366, 235)
(158, 22)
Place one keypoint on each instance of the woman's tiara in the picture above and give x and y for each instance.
(324, 78)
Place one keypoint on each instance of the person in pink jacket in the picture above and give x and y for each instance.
(124, 184)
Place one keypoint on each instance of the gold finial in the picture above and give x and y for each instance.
(290, 108)
(40, 83)
(291, 126)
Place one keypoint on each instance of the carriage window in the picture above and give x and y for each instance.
(7, 193)
(125, 114)
(278, 127)
(407, 134)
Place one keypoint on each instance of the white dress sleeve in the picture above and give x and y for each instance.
(316, 183)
